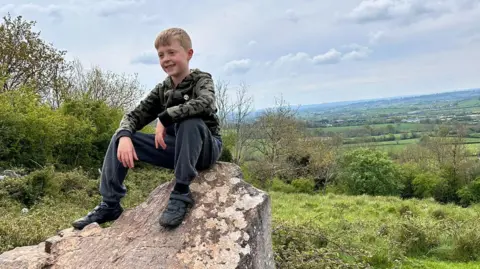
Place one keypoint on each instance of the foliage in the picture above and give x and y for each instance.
(33, 135)
(470, 194)
(425, 183)
(26, 59)
(226, 155)
(307, 247)
(304, 185)
(368, 171)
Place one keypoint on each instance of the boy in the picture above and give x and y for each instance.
(187, 136)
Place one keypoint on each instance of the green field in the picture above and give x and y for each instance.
(402, 127)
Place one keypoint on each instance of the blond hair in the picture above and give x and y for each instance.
(165, 38)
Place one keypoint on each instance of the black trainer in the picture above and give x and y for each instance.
(177, 208)
(100, 214)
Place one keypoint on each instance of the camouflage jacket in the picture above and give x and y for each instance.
(194, 97)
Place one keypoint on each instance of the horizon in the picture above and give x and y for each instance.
(380, 98)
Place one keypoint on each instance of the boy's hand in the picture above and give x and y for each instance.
(126, 152)
(160, 132)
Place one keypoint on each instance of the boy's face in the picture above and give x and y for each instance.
(174, 58)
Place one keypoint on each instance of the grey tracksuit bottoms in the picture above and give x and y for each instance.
(190, 147)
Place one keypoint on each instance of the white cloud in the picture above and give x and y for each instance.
(330, 57)
(299, 57)
(252, 43)
(405, 10)
(238, 66)
(356, 55)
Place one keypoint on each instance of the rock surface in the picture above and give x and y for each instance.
(229, 227)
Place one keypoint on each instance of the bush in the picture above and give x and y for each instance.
(415, 237)
(424, 184)
(470, 194)
(408, 172)
(307, 247)
(33, 135)
(226, 155)
(369, 171)
(446, 189)
(280, 186)
(304, 185)
(29, 190)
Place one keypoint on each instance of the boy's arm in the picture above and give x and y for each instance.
(204, 103)
(141, 115)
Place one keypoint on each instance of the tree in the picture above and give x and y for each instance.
(278, 128)
(278, 138)
(26, 59)
(116, 90)
(233, 116)
(224, 106)
(391, 129)
(242, 108)
(368, 171)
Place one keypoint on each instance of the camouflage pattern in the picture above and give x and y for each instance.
(193, 97)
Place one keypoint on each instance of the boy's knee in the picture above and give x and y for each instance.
(191, 123)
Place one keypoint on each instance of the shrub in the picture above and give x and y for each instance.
(33, 135)
(369, 171)
(307, 247)
(446, 189)
(415, 237)
(408, 171)
(466, 246)
(305, 185)
(280, 186)
(226, 155)
(31, 189)
(470, 193)
(424, 184)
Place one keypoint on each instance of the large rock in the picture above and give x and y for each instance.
(229, 227)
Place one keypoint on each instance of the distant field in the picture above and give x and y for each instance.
(402, 127)
(473, 145)
(469, 103)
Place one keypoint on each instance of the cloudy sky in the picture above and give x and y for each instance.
(310, 51)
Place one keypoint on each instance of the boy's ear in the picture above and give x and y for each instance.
(190, 53)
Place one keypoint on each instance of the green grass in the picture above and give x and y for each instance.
(424, 264)
(388, 227)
